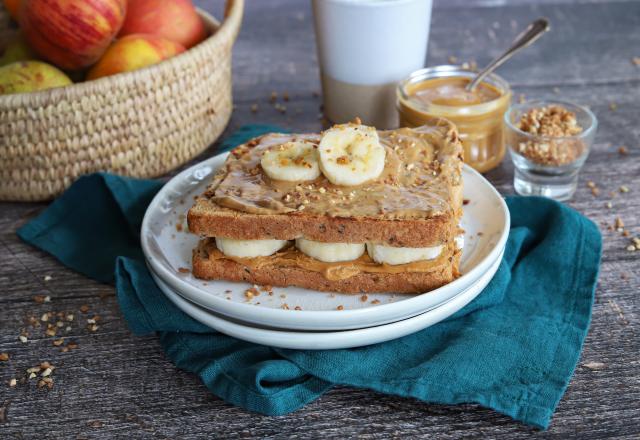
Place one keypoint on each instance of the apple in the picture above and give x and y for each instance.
(175, 20)
(30, 76)
(12, 6)
(72, 34)
(134, 52)
(16, 50)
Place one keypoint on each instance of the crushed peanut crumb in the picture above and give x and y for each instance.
(552, 121)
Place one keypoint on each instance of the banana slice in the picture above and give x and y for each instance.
(401, 255)
(292, 161)
(330, 252)
(249, 248)
(351, 154)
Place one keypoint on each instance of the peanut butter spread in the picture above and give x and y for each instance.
(450, 91)
(422, 166)
(292, 257)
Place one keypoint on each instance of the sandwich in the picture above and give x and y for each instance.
(352, 210)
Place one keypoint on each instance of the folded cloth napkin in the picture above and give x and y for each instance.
(512, 349)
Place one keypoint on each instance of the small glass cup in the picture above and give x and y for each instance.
(553, 171)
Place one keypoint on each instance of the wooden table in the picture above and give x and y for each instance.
(117, 385)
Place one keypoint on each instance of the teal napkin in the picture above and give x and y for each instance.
(512, 349)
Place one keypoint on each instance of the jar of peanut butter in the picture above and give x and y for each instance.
(440, 92)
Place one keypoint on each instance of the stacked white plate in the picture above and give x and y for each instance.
(297, 318)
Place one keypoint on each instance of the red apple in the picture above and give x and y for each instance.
(71, 33)
(134, 52)
(175, 20)
(12, 6)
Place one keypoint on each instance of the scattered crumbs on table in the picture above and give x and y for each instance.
(609, 205)
(254, 108)
(23, 339)
(285, 306)
(522, 99)
(595, 365)
(298, 308)
(636, 61)
(84, 308)
(613, 106)
(13, 382)
(624, 189)
(183, 270)
(282, 295)
(623, 151)
(95, 424)
(470, 65)
(618, 224)
(452, 59)
(4, 357)
(480, 234)
(285, 96)
(48, 278)
(364, 298)
(466, 201)
(616, 308)
(375, 301)
(179, 227)
(340, 307)
(40, 299)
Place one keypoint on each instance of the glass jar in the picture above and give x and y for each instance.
(478, 115)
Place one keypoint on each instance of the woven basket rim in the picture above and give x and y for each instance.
(227, 31)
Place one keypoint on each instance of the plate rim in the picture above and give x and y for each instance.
(305, 318)
(380, 333)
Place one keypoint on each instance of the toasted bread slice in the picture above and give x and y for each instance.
(292, 268)
(416, 202)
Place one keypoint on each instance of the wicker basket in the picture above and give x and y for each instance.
(142, 123)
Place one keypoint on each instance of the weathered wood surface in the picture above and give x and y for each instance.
(118, 385)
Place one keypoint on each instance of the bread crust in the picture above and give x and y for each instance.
(208, 219)
(283, 276)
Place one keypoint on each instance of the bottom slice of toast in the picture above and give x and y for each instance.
(292, 268)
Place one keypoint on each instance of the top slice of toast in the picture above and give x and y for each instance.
(415, 202)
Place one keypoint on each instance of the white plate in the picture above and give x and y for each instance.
(167, 247)
(302, 340)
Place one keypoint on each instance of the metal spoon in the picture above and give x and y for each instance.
(528, 36)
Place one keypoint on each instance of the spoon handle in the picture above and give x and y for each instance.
(528, 36)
